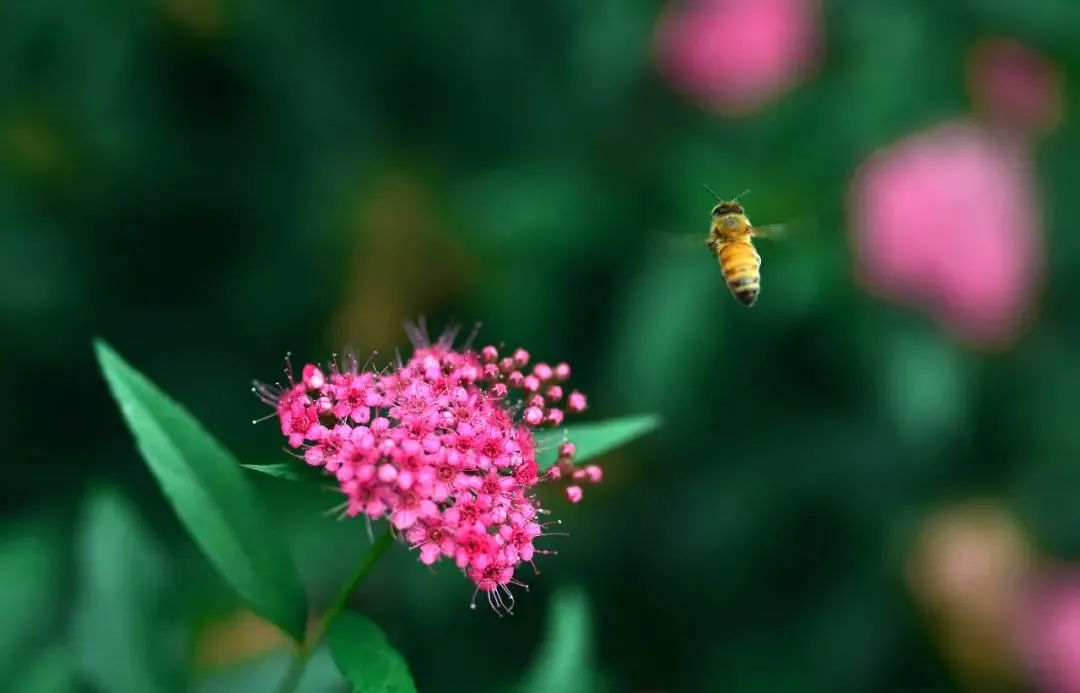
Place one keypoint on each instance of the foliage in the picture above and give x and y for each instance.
(591, 440)
(365, 659)
(563, 662)
(203, 482)
(123, 573)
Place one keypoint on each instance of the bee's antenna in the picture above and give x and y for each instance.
(744, 192)
(712, 191)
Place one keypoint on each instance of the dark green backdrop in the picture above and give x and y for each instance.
(209, 183)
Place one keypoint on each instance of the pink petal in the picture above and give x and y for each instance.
(403, 519)
(429, 553)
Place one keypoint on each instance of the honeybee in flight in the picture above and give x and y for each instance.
(731, 241)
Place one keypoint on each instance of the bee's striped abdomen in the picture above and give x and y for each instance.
(741, 264)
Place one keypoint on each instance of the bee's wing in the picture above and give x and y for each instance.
(801, 228)
(683, 241)
(773, 232)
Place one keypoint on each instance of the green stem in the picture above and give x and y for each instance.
(299, 662)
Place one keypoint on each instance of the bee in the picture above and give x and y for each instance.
(731, 241)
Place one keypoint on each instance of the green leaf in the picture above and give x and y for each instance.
(290, 471)
(121, 640)
(364, 657)
(564, 660)
(205, 486)
(593, 439)
(30, 566)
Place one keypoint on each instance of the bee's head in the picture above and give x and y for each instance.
(727, 207)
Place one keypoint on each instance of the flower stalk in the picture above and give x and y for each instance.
(303, 653)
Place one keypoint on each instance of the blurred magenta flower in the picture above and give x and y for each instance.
(1015, 87)
(1049, 633)
(946, 220)
(443, 446)
(734, 56)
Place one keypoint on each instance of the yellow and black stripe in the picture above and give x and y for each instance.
(740, 263)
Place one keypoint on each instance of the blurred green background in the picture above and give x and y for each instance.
(210, 183)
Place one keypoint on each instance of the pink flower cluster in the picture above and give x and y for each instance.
(948, 220)
(443, 446)
(735, 56)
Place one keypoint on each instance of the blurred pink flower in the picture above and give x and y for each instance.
(733, 56)
(1049, 634)
(1014, 86)
(946, 220)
